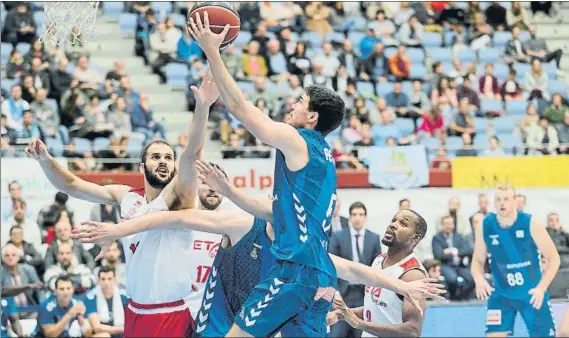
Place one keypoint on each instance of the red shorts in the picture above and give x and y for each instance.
(158, 320)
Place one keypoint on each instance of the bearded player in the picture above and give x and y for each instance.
(386, 313)
(514, 241)
(157, 283)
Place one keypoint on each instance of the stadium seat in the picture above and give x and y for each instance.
(243, 38)
(5, 50)
(177, 74)
(448, 38)
(8, 83)
(389, 52)
(406, 126)
(481, 124)
(360, 24)
(489, 55)
(466, 55)
(481, 142)
(440, 54)
(406, 87)
(23, 47)
(522, 69)
(113, 8)
(524, 36)
(550, 69)
(364, 87)
(501, 71)
(335, 37)
(356, 37)
(55, 146)
(282, 87)
(314, 39)
(431, 143)
(417, 55)
(247, 87)
(454, 143)
(418, 71)
(82, 145)
(38, 19)
(504, 125)
(179, 20)
(557, 86)
(516, 107)
(512, 144)
(488, 105)
(161, 6)
(432, 39)
(127, 23)
(101, 143)
(382, 89)
(134, 147)
(500, 39)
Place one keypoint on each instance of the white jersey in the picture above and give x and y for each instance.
(383, 306)
(204, 248)
(157, 269)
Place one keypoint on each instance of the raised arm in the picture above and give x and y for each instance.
(182, 191)
(547, 248)
(276, 134)
(63, 180)
(215, 178)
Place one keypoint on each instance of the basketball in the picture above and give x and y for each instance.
(220, 13)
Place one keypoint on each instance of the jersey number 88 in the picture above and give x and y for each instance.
(515, 279)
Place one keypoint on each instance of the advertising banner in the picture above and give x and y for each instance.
(398, 167)
(29, 174)
(521, 172)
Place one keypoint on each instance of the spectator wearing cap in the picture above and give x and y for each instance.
(411, 33)
(560, 238)
(19, 25)
(556, 112)
(542, 138)
(31, 228)
(19, 274)
(537, 48)
(49, 215)
(563, 134)
(28, 253)
(63, 236)
(14, 108)
(400, 64)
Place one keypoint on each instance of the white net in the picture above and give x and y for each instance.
(70, 22)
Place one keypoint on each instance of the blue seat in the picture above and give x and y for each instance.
(454, 143)
(113, 8)
(440, 54)
(364, 87)
(524, 36)
(406, 126)
(466, 55)
(489, 55)
(448, 37)
(82, 145)
(512, 144)
(23, 47)
(335, 37)
(243, 38)
(127, 23)
(247, 87)
(501, 71)
(418, 71)
(504, 125)
(522, 69)
(360, 23)
(557, 86)
(313, 38)
(488, 105)
(134, 147)
(5, 50)
(3, 14)
(161, 6)
(406, 87)
(179, 20)
(432, 39)
(356, 37)
(516, 107)
(38, 19)
(382, 89)
(101, 143)
(550, 69)
(500, 39)
(8, 83)
(55, 146)
(389, 52)
(177, 74)
(481, 142)
(431, 143)
(417, 55)
(481, 125)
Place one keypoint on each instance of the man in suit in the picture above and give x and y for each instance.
(359, 245)
(339, 223)
(455, 254)
(462, 226)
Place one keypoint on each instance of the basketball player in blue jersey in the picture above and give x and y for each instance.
(304, 278)
(514, 241)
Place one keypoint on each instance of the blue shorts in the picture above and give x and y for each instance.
(284, 302)
(502, 312)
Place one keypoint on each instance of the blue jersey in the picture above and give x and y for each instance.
(90, 299)
(303, 206)
(51, 313)
(234, 274)
(514, 258)
(8, 309)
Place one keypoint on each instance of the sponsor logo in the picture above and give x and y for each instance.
(520, 234)
(375, 294)
(133, 247)
(494, 317)
(495, 240)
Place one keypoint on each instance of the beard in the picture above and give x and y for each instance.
(210, 201)
(155, 181)
(388, 242)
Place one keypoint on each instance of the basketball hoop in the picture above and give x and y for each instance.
(71, 21)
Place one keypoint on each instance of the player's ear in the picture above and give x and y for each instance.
(141, 168)
(313, 117)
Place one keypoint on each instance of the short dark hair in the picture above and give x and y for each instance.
(358, 205)
(63, 278)
(19, 201)
(15, 227)
(329, 106)
(431, 263)
(61, 197)
(105, 269)
(420, 225)
(144, 154)
(403, 201)
(13, 182)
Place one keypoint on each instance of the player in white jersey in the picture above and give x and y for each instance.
(158, 273)
(386, 313)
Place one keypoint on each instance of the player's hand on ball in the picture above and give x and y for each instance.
(102, 234)
(208, 40)
(37, 150)
(537, 295)
(208, 93)
(483, 290)
(213, 177)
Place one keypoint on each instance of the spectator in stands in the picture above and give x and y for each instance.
(419, 99)
(402, 13)
(542, 139)
(452, 17)
(466, 92)
(536, 82)
(40, 73)
(262, 92)
(261, 38)
(278, 67)
(62, 314)
(73, 116)
(234, 148)
(85, 74)
(367, 138)
(364, 115)
(28, 89)
(14, 108)
(125, 90)
(10, 319)
(317, 77)
(517, 16)
(460, 220)
(384, 29)
(367, 44)
(443, 95)
(400, 102)
(287, 41)
(467, 149)
(145, 25)
(511, 89)
(116, 73)
(6, 140)
(187, 48)
(250, 15)
(15, 66)
(463, 122)
(19, 25)
(400, 64)
(117, 153)
(472, 9)
(341, 80)
(318, 16)
(31, 228)
(105, 305)
(488, 84)
(458, 44)
(63, 235)
(112, 259)
(49, 215)
(404, 204)
(433, 268)
(559, 237)
(521, 202)
(515, 49)
(83, 278)
(29, 129)
(298, 60)
(350, 59)
(344, 160)
(253, 63)
(441, 160)
(496, 16)
(537, 48)
(77, 161)
(411, 33)
(27, 251)
(120, 119)
(542, 6)
(352, 133)
(450, 248)
(557, 111)
(377, 65)
(495, 149)
(20, 274)
(163, 43)
(142, 119)
(563, 134)
(530, 119)
(479, 34)
(233, 62)
(433, 123)
(15, 193)
(328, 60)
(73, 51)
(48, 119)
(60, 80)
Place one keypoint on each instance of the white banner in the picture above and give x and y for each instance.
(398, 167)
(29, 174)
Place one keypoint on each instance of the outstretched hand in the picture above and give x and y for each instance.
(201, 32)
(213, 177)
(418, 290)
(37, 150)
(102, 234)
(208, 93)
